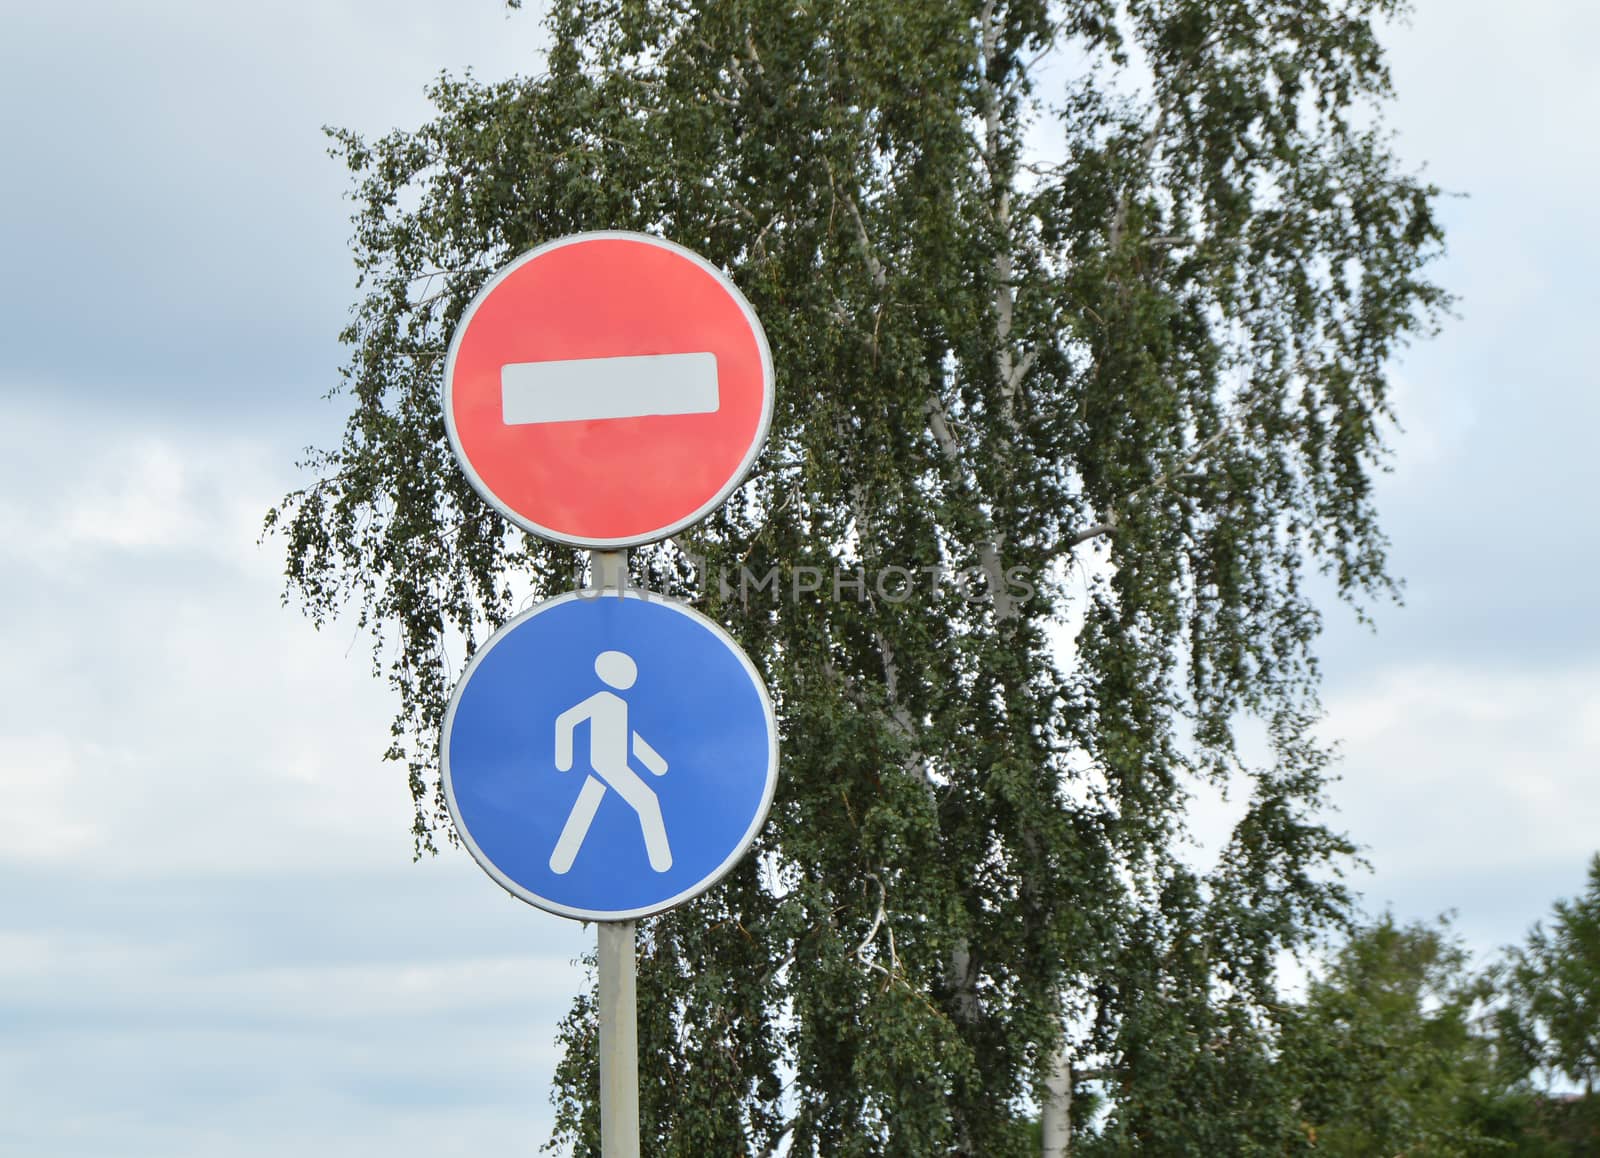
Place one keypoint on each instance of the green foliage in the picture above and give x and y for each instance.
(1149, 376)
(1566, 1126)
(1396, 1049)
(1552, 1017)
(1391, 1054)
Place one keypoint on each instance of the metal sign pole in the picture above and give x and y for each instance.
(619, 1043)
(619, 1026)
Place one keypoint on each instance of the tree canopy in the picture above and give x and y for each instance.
(1553, 987)
(1089, 304)
(1391, 1052)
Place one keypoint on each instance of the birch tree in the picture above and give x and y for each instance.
(1082, 315)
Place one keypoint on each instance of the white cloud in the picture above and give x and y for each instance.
(75, 492)
(1437, 421)
(163, 682)
(42, 822)
(1497, 100)
(213, 921)
(1474, 788)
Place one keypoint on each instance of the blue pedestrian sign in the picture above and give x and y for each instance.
(607, 756)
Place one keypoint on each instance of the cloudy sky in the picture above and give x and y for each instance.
(212, 936)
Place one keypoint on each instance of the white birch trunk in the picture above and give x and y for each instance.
(1056, 1113)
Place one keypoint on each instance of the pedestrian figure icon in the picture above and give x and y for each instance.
(609, 747)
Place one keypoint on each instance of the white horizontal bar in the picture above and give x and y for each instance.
(581, 389)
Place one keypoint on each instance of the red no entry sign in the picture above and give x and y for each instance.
(607, 389)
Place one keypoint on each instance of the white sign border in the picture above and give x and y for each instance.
(705, 882)
(768, 390)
